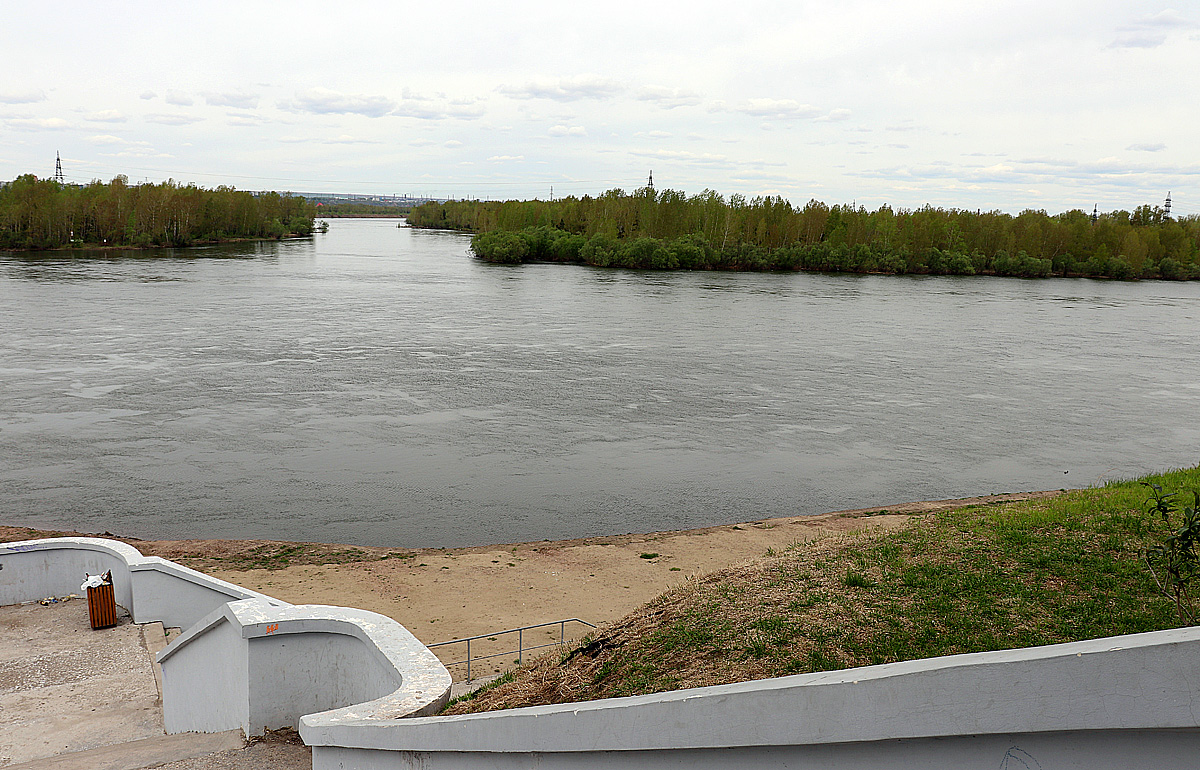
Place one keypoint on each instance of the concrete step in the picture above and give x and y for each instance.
(137, 755)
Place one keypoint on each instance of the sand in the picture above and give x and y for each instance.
(444, 594)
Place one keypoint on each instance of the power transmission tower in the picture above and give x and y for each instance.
(1167, 207)
(1095, 213)
(650, 181)
(58, 174)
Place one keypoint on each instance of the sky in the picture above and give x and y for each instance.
(996, 106)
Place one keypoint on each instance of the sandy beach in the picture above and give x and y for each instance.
(444, 594)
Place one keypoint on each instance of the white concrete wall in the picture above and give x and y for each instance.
(1093, 704)
(304, 673)
(244, 660)
(35, 569)
(205, 691)
(150, 588)
(180, 597)
(1102, 750)
(331, 663)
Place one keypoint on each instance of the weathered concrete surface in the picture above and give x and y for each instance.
(459, 689)
(256, 663)
(260, 755)
(1090, 705)
(66, 688)
(258, 667)
(152, 589)
(76, 699)
(144, 753)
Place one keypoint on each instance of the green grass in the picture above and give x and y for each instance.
(969, 580)
(504, 678)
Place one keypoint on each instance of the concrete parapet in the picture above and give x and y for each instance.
(179, 596)
(34, 569)
(150, 588)
(257, 666)
(246, 660)
(1092, 704)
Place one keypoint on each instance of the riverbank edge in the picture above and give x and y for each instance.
(225, 553)
(131, 247)
(796, 269)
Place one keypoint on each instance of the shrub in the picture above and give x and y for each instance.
(691, 252)
(1173, 561)
(300, 225)
(960, 264)
(600, 250)
(1171, 270)
(539, 242)
(501, 247)
(893, 263)
(645, 253)
(1120, 269)
(567, 248)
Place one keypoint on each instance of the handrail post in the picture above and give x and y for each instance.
(520, 632)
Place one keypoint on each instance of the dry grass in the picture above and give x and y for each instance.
(708, 630)
(980, 578)
(226, 554)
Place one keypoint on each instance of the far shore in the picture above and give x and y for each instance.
(132, 247)
(441, 594)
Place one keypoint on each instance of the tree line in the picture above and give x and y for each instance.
(336, 210)
(670, 230)
(44, 214)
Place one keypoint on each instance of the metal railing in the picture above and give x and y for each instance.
(521, 648)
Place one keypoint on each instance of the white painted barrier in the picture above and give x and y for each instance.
(245, 660)
(34, 569)
(255, 666)
(1121, 702)
(149, 588)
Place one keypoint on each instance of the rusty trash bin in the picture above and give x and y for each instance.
(102, 603)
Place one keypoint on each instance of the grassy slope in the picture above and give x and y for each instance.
(982, 578)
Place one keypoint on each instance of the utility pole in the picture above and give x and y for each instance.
(58, 174)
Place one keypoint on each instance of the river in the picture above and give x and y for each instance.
(377, 385)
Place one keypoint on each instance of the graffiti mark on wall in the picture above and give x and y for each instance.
(1019, 759)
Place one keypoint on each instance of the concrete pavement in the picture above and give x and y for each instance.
(73, 698)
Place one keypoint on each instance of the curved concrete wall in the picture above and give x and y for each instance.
(245, 660)
(1102, 750)
(150, 588)
(34, 569)
(277, 664)
(179, 596)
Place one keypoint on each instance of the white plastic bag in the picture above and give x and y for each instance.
(92, 581)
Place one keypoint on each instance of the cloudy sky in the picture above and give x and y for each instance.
(1003, 105)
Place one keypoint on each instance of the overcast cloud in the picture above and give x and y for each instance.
(1006, 105)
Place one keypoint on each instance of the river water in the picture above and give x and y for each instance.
(376, 385)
